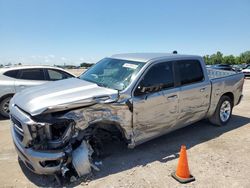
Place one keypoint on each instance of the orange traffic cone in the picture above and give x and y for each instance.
(182, 173)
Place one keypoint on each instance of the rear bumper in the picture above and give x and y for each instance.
(36, 160)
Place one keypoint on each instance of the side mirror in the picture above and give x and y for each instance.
(140, 90)
(145, 89)
(149, 89)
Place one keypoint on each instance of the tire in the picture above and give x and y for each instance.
(223, 111)
(4, 106)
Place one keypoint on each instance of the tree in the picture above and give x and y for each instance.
(86, 65)
(207, 59)
(237, 60)
(217, 58)
(245, 57)
(230, 60)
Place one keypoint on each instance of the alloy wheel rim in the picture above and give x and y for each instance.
(225, 111)
(6, 107)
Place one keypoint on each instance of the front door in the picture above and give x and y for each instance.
(155, 110)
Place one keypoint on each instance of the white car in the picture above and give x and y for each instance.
(15, 79)
(246, 71)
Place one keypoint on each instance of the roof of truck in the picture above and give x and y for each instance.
(145, 57)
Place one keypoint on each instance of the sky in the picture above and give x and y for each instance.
(75, 31)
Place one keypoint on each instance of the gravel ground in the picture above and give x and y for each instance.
(218, 157)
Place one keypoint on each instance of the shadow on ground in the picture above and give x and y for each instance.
(163, 149)
(2, 118)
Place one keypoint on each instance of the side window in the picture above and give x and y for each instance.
(32, 74)
(66, 75)
(158, 77)
(57, 75)
(12, 73)
(190, 71)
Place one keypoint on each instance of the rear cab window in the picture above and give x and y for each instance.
(189, 71)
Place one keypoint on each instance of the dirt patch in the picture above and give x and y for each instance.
(76, 72)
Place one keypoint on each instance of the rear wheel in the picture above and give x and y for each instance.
(223, 111)
(4, 107)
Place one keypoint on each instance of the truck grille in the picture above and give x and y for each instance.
(18, 128)
(21, 123)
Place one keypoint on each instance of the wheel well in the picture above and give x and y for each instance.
(103, 137)
(112, 128)
(5, 96)
(230, 95)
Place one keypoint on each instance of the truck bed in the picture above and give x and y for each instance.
(224, 82)
(215, 73)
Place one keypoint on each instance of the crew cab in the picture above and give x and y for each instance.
(135, 97)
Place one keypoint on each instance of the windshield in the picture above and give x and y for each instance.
(113, 73)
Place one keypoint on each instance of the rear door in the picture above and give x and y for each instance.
(29, 77)
(155, 111)
(195, 90)
(7, 82)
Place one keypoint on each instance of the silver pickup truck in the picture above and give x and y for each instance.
(134, 97)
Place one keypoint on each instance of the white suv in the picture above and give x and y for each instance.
(246, 71)
(15, 79)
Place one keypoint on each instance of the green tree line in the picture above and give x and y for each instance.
(86, 65)
(219, 58)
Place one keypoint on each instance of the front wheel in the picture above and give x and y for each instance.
(4, 107)
(223, 112)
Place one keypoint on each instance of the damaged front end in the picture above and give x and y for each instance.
(50, 147)
(58, 142)
(60, 126)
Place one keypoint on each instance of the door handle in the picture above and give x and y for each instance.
(172, 97)
(202, 89)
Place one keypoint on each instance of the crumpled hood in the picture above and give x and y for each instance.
(62, 95)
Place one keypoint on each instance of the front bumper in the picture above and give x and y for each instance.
(34, 160)
(40, 162)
